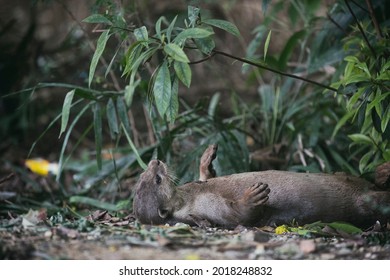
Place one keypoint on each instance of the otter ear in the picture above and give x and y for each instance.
(163, 213)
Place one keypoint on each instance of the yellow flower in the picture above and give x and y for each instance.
(282, 229)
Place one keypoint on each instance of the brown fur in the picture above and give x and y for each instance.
(243, 199)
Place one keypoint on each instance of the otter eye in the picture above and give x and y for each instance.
(158, 179)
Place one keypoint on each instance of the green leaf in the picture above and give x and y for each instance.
(173, 107)
(122, 113)
(139, 159)
(360, 138)
(170, 29)
(267, 44)
(101, 45)
(162, 89)
(264, 5)
(130, 89)
(93, 202)
(342, 122)
(158, 27)
(141, 34)
(176, 52)
(66, 110)
(195, 33)
(214, 104)
(348, 228)
(66, 139)
(97, 125)
(289, 48)
(193, 15)
(224, 25)
(112, 119)
(97, 18)
(183, 72)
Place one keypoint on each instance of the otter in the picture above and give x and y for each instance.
(256, 198)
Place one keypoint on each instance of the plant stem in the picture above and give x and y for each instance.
(374, 20)
(274, 70)
(361, 29)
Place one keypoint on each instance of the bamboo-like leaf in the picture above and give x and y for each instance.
(97, 18)
(267, 44)
(170, 29)
(101, 45)
(193, 15)
(66, 139)
(162, 88)
(93, 202)
(173, 107)
(176, 52)
(224, 25)
(206, 44)
(361, 138)
(122, 113)
(139, 159)
(97, 124)
(112, 119)
(158, 27)
(66, 111)
(195, 33)
(183, 72)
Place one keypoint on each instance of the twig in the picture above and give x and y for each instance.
(274, 70)
(7, 178)
(374, 20)
(361, 29)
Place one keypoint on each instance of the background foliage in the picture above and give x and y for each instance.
(320, 102)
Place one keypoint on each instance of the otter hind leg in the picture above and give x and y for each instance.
(206, 169)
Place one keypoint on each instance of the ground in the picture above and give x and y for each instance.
(105, 237)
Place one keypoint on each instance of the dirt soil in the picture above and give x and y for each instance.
(111, 238)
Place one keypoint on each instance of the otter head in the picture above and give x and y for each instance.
(153, 193)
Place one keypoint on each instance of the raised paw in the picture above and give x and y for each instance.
(257, 194)
(206, 169)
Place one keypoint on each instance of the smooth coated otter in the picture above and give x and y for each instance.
(256, 198)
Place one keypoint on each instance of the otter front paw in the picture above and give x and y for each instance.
(256, 194)
(206, 169)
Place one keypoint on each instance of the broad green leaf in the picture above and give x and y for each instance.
(205, 45)
(97, 18)
(170, 29)
(133, 56)
(122, 114)
(267, 44)
(141, 34)
(139, 159)
(66, 110)
(101, 45)
(93, 202)
(348, 228)
(162, 89)
(173, 107)
(176, 52)
(183, 72)
(195, 33)
(112, 119)
(224, 25)
(361, 138)
(97, 125)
